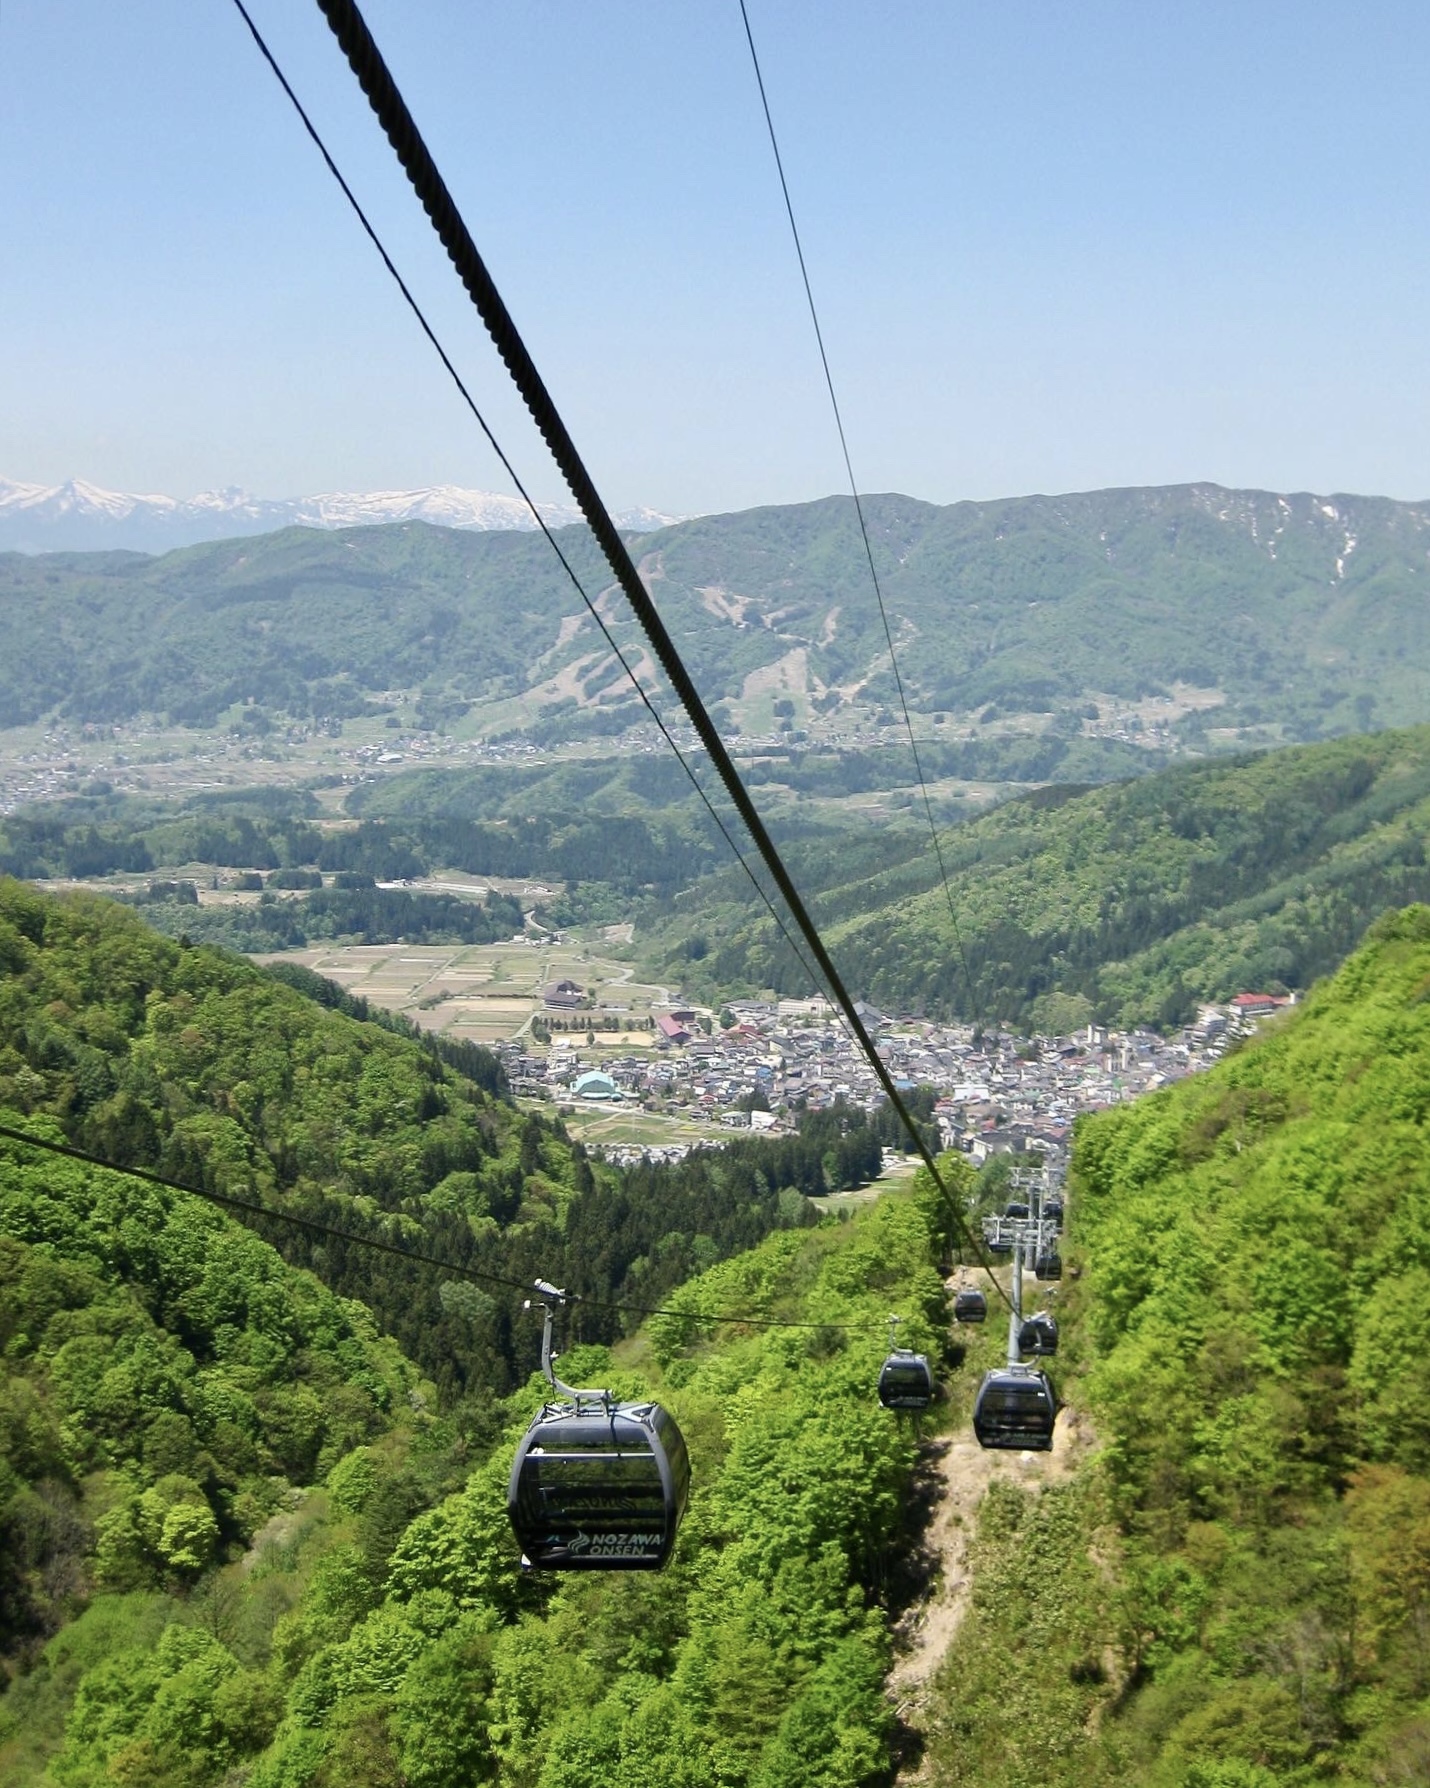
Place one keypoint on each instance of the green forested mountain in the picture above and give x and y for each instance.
(200, 1066)
(1235, 1590)
(1307, 613)
(164, 1373)
(377, 1630)
(1130, 902)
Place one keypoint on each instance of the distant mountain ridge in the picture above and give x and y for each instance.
(1237, 617)
(1130, 904)
(80, 517)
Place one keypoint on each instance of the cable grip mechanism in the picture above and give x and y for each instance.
(551, 1299)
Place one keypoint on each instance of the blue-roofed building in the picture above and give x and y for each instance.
(595, 1085)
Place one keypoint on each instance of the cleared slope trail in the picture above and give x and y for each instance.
(957, 1473)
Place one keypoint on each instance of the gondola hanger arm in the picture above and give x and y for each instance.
(551, 1299)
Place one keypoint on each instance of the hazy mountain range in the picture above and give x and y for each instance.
(80, 517)
(1268, 618)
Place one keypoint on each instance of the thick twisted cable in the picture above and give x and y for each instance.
(511, 471)
(390, 109)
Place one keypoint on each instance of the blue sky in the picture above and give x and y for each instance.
(1056, 246)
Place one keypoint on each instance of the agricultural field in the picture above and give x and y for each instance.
(489, 992)
(628, 1127)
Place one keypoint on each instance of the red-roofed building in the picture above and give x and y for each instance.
(670, 1030)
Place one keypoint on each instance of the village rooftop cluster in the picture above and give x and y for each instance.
(761, 1061)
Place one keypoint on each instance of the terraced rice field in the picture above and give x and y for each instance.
(487, 992)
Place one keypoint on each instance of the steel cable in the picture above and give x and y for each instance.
(859, 512)
(511, 472)
(253, 1208)
(366, 61)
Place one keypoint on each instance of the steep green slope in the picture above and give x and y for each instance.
(1236, 1592)
(1308, 613)
(201, 1066)
(165, 1381)
(1137, 901)
(373, 1642)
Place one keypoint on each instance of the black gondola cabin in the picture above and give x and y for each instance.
(970, 1305)
(1039, 1335)
(1015, 1409)
(599, 1487)
(905, 1381)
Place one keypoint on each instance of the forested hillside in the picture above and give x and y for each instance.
(1128, 903)
(165, 1377)
(202, 1067)
(378, 1629)
(1306, 613)
(1236, 1591)
(231, 1511)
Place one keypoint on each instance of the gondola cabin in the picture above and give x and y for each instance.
(1038, 1337)
(970, 1305)
(1017, 1209)
(1015, 1409)
(905, 1381)
(1049, 1266)
(599, 1487)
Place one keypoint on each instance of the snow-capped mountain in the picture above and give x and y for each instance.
(80, 517)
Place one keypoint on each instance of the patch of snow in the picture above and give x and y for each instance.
(76, 516)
